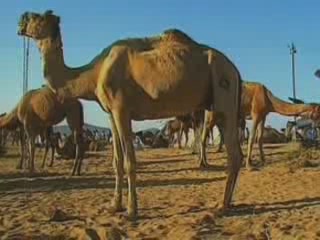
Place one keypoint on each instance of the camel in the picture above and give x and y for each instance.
(147, 135)
(36, 113)
(143, 78)
(256, 103)
(271, 135)
(177, 127)
(10, 123)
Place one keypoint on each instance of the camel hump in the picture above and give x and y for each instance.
(177, 35)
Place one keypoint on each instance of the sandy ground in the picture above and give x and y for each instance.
(176, 199)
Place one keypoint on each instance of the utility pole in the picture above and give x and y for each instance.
(293, 51)
(26, 46)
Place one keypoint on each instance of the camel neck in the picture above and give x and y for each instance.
(65, 81)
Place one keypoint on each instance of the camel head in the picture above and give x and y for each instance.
(315, 112)
(39, 26)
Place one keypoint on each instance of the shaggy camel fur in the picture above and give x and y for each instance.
(143, 78)
(256, 103)
(37, 112)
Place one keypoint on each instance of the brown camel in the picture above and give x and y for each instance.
(37, 112)
(271, 135)
(256, 103)
(175, 128)
(10, 123)
(143, 78)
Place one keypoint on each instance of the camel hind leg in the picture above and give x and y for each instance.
(233, 149)
(221, 142)
(226, 86)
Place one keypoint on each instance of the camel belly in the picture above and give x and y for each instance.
(171, 104)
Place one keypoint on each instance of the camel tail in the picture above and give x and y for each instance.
(283, 107)
(10, 120)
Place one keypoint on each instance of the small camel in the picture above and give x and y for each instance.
(256, 103)
(176, 128)
(143, 78)
(10, 123)
(37, 112)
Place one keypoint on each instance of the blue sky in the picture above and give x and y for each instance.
(254, 34)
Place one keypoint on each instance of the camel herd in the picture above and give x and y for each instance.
(169, 75)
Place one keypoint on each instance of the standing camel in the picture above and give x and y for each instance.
(36, 113)
(176, 128)
(143, 78)
(256, 103)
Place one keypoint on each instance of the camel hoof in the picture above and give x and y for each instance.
(249, 168)
(116, 208)
(204, 165)
(132, 216)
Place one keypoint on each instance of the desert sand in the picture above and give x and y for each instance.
(176, 199)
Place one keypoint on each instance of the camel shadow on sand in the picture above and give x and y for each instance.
(51, 184)
(257, 209)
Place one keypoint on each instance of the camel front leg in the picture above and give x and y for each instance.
(197, 131)
(123, 124)
(45, 153)
(232, 143)
(179, 137)
(31, 143)
(203, 144)
(251, 142)
(260, 140)
(53, 150)
(79, 153)
(22, 149)
(118, 167)
(186, 133)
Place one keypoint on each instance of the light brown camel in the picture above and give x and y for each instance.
(256, 103)
(143, 78)
(37, 112)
